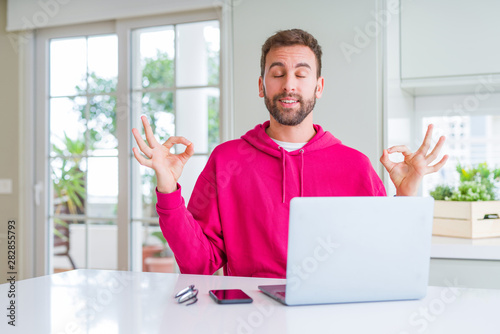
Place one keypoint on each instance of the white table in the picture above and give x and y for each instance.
(100, 301)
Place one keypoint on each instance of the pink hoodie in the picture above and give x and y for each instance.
(237, 217)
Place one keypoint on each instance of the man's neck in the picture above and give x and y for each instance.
(300, 133)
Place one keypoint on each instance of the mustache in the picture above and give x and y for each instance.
(284, 95)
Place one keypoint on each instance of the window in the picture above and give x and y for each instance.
(472, 137)
(99, 207)
(179, 94)
(83, 154)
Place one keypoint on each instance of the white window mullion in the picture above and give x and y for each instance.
(123, 124)
(127, 235)
(42, 259)
(175, 88)
(226, 115)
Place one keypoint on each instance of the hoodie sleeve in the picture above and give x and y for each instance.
(194, 234)
(371, 184)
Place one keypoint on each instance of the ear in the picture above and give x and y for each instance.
(319, 87)
(261, 87)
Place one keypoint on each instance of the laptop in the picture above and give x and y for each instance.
(356, 249)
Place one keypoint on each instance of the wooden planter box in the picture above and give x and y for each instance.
(466, 219)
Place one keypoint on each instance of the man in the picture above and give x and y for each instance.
(237, 217)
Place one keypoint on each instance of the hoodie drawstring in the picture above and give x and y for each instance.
(301, 172)
(283, 157)
(284, 166)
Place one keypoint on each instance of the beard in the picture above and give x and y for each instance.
(289, 116)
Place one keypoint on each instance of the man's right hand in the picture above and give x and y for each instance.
(167, 166)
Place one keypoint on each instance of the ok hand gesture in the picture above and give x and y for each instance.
(167, 166)
(408, 174)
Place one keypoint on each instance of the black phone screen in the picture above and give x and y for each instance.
(230, 296)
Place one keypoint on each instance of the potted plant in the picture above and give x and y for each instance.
(161, 261)
(68, 184)
(471, 210)
(149, 251)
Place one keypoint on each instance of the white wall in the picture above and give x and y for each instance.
(9, 136)
(351, 104)
(33, 14)
(459, 38)
(399, 105)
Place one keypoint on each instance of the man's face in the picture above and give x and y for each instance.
(290, 86)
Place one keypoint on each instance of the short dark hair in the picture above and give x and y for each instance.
(288, 38)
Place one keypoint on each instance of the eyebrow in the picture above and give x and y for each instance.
(278, 63)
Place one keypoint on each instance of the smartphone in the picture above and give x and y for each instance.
(230, 296)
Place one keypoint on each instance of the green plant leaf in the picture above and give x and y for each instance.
(477, 183)
(442, 192)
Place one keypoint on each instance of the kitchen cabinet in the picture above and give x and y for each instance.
(449, 46)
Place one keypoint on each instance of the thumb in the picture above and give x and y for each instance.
(386, 162)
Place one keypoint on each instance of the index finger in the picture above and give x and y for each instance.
(427, 141)
(149, 132)
(140, 142)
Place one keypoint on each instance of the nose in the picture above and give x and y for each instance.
(289, 84)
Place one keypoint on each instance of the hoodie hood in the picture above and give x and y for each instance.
(258, 138)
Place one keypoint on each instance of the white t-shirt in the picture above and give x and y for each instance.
(289, 146)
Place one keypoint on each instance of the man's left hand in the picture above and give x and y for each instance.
(408, 174)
